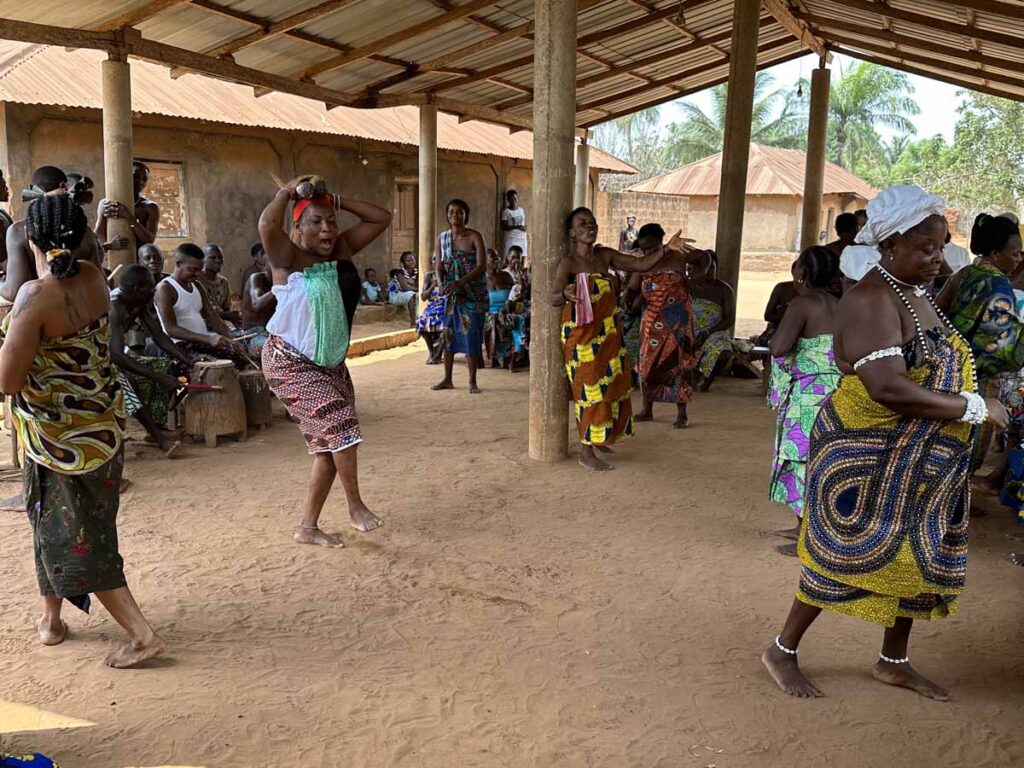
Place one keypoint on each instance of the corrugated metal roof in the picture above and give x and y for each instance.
(31, 74)
(974, 43)
(771, 171)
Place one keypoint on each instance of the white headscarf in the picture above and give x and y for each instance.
(896, 210)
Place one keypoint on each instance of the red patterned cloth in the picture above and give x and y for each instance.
(322, 400)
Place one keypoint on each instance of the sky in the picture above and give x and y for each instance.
(938, 101)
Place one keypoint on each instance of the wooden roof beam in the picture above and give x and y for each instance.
(139, 15)
(683, 92)
(930, 22)
(896, 63)
(675, 23)
(403, 35)
(779, 9)
(996, 7)
(277, 28)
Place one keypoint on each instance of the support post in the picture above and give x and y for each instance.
(582, 195)
(427, 189)
(554, 117)
(736, 152)
(814, 174)
(117, 151)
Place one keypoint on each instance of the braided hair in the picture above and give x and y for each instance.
(55, 224)
(820, 266)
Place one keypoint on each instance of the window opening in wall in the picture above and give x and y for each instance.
(166, 188)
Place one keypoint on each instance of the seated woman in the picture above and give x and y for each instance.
(804, 374)
(430, 324)
(714, 312)
(403, 287)
(497, 336)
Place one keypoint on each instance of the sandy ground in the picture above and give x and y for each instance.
(508, 614)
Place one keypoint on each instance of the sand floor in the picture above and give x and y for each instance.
(508, 614)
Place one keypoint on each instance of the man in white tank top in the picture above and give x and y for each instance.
(185, 311)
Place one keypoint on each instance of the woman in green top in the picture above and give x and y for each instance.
(68, 410)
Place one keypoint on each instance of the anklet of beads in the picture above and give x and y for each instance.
(781, 647)
(904, 660)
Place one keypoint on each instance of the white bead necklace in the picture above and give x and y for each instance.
(919, 290)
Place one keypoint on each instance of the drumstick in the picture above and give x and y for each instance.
(280, 184)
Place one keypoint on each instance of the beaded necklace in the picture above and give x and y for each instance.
(897, 286)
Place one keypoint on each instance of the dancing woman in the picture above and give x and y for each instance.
(308, 336)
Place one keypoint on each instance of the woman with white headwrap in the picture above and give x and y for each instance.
(884, 535)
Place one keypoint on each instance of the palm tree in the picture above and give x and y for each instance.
(701, 135)
(866, 97)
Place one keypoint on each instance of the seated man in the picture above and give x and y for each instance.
(186, 313)
(373, 291)
(148, 382)
(216, 285)
(846, 228)
(152, 259)
(258, 305)
(259, 264)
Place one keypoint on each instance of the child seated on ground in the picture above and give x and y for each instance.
(373, 291)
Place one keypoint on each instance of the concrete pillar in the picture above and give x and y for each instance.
(746, 20)
(582, 193)
(117, 151)
(427, 188)
(814, 174)
(554, 117)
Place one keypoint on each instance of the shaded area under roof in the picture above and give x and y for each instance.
(771, 171)
(32, 74)
(475, 57)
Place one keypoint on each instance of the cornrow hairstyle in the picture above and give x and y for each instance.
(820, 266)
(54, 222)
(991, 233)
(573, 214)
(459, 204)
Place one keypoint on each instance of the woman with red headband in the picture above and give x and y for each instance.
(304, 357)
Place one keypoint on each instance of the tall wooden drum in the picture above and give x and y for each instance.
(258, 402)
(221, 412)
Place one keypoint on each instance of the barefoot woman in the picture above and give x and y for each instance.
(884, 535)
(595, 360)
(69, 412)
(304, 357)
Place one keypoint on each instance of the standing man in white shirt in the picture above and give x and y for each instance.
(513, 224)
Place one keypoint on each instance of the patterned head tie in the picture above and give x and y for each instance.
(896, 210)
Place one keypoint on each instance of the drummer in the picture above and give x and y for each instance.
(186, 313)
(304, 357)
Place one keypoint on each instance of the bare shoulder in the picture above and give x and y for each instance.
(32, 298)
(866, 301)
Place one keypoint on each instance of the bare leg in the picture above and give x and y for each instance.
(321, 478)
(411, 306)
(143, 643)
(145, 418)
(894, 645)
(647, 414)
(790, 533)
(52, 629)
(589, 460)
(682, 420)
(783, 666)
(449, 362)
(474, 362)
(347, 467)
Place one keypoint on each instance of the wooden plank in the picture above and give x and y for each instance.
(278, 28)
(795, 27)
(930, 22)
(401, 36)
(994, 7)
(139, 15)
(42, 34)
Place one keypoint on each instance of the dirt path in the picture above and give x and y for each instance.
(508, 614)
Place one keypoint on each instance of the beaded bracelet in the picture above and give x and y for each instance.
(878, 354)
(976, 410)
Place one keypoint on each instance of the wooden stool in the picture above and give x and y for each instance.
(211, 414)
(258, 403)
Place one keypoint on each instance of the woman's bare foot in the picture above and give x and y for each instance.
(52, 634)
(644, 415)
(446, 384)
(905, 676)
(474, 389)
(305, 535)
(135, 653)
(603, 449)
(787, 675)
(788, 533)
(681, 423)
(363, 519)
(789, 550)
(591, 462)
(15, 503)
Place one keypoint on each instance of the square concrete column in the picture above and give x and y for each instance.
(581, 197)
(814, 173)
(116, 87)
(427, 188)
(554, 118)
(732, 195)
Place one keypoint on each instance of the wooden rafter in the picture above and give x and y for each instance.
(893, 60)
(780, 10)
(683, 92)
(139, 15)
(403, 35)
(996, 7)
(930, 22)
(649, 8)
(278, 28)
